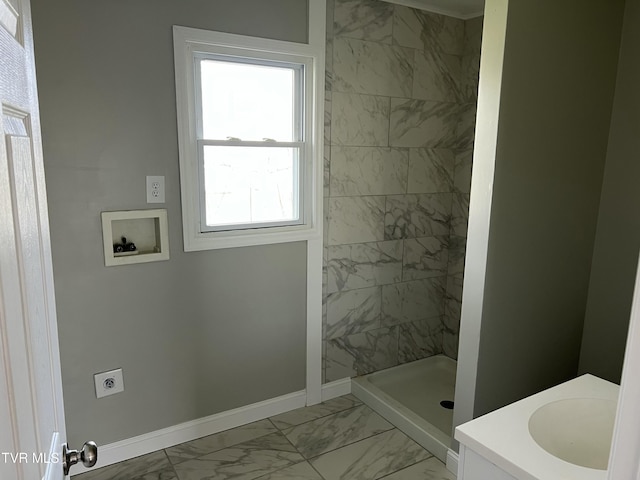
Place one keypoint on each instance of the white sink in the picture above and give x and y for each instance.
(576, 430)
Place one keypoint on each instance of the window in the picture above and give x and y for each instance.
(248, 125)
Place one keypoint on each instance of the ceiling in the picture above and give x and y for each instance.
(455, 8)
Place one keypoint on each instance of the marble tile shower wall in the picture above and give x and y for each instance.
(399, 117)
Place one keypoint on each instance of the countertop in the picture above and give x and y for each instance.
(503, 437)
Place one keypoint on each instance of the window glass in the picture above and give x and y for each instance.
(246, 185)
(248, 102)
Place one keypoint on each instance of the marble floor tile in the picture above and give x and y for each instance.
(371, 458)
(307, 414)
(343, 428)
(245, 461)
(167, 473)
(431, 469)
(300, 471)
(153, 466)
(209, 444)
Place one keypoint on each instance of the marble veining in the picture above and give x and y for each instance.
(428, 31)
(363, 265)
(412, 216)
(307, 414)
(431, 170)
(326, 170)
(245, 461)
(462, 175)
(364, 19)
(457, 250)
(368, 171)
(361, 353)
(343, 428)
(371, 67)
(153, 466)
(353, 311)
(399, 123)
(425, 257)
(372, 458)
(218, 441)
(460, 214)
(466, 126)
(299, 471)
(341, 437)
(453, 302)
(431, 469)
(359, 120)
(420, 339)
(414, 300)
(470, 72)
(424, 123)
(356, 220)
(327, 118)
(437, 76)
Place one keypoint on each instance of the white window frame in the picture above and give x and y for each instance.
(189, 44)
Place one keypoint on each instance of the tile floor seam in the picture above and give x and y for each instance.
(183, 460)
(319, 418)
(173, 467)
(316, 470)
(350, 444)
(431, 455)
(391, 427)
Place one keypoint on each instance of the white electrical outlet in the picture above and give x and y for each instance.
(108, 383)
(155, 189)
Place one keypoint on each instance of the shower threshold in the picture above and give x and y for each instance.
(414, 397)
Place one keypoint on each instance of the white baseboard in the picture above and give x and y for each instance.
(336, 389)
(185, 432)
(452, 462)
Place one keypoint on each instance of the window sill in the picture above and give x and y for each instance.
(248, 238)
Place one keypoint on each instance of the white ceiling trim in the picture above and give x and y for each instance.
(429, 7)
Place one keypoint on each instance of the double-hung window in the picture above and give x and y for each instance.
(248, 151)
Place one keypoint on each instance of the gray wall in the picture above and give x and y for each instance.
(204, 332)
(557, 92)
(615, 255)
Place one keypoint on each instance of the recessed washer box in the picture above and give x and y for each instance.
(147, 229)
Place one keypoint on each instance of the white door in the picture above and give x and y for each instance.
(31, 410)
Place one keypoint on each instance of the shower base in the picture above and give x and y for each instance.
(409, 397)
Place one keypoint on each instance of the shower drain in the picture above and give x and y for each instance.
(448, 404)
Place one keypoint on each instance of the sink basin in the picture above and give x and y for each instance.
(576, 430)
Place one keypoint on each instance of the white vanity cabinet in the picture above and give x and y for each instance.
(472, 466)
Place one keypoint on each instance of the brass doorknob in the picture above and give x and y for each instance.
(88, 456)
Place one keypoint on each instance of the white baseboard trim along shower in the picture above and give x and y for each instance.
(185, 432)
(452, 461)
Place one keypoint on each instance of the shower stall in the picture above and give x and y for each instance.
(401, 92)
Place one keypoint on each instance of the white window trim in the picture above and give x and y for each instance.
(189, 41)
